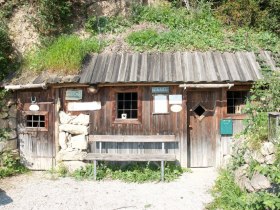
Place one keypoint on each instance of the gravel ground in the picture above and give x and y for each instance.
(37, 191)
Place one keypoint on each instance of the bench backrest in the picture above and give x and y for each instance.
(132, 138)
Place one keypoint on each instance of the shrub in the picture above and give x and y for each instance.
(10, 165)
(105, 24)
(136, 172)
(65, 54)
(7, 60)
(53, 16)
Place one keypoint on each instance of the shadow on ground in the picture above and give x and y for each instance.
(4, 198)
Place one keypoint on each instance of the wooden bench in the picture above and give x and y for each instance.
(131, 157)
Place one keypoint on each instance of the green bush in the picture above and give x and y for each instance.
(228, 196)
(265, 97)
(65, 54)
(53, 16)
(136, 172)
(105, 24)
(10, 165)
(7, 60)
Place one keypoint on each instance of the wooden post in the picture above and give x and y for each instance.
(162, 163)
(94, 169)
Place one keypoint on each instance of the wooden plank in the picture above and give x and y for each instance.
(130, 157)
(132, 138)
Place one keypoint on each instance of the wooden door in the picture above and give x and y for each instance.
(201, 107)
(36, 135)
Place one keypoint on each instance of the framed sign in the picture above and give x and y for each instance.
(175, 99)
(160, 104)
(74, 95)
(160, 90)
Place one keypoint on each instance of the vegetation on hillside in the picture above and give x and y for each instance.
(222, 25)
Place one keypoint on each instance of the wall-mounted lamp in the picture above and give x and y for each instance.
(33, 106)
(93, 89)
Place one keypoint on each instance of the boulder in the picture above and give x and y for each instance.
(79, 142)
(12, 123)
(73, 165)
(10, 102)
(260, 182)
(270, 159)
(268, 148)
(12, 134)
(4, 115)
(82, 119)
(247, 156)
(257, 156)
(70, 155)
(74, 129)
(4, 123)
(64, 118)
(8, 145)
(62, 140)
(13, 111)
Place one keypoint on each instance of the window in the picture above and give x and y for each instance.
(236, 101)
(35, 121)
(127, 105)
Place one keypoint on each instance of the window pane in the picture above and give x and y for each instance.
(134, 114)
(42, 124)
(35, 117)
(134, 96)
(29, 117)
(134, 104)
(120, 105)
(120, 96)
(119, 114)
(42, 118)
(127, 104)
(230, 110)
(29, 124)
(128, 96)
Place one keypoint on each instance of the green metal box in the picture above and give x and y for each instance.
(226, 127)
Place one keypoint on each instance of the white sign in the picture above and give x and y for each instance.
(160, 104)
(84, 106)
(176, 108)
(34, 107)
(175, 99)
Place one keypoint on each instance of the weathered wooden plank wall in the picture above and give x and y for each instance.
(102, 122)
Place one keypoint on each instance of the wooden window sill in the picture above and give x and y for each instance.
(127, 121)
(35, 129)
(161, 113)
(236, 116)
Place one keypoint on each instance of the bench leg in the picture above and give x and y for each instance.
(162, 170)
(94, 169)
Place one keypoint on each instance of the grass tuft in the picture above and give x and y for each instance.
(65, 54)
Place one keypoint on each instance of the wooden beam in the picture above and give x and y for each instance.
(130, 157)
(132, 138)
(206, 85)
(28, 86)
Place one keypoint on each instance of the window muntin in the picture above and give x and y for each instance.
(127, 103)
(35, 121)
(236, 101)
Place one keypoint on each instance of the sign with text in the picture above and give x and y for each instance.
(160, 90)
(175, 99)
(84, 106)
(74, 95)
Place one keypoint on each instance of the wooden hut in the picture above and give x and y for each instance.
(197, 97)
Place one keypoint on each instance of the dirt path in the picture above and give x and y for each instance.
(35, 191)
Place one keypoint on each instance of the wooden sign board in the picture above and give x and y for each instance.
(160, 90)
(74, 95)
(84, 106)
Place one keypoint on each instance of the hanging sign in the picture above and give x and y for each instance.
(175, 99)
(84, 106)
(160, 90)
(73, 95)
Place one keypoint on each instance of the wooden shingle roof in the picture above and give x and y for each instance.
(178, 67)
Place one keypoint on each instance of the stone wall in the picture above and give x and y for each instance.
(245, 178)
(73, 139)
(8, 114)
